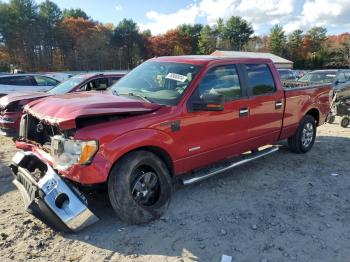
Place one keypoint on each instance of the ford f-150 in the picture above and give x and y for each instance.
(171, 119)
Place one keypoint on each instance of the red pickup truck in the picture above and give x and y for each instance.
(170, 119)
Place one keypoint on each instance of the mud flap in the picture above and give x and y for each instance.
(48, 197)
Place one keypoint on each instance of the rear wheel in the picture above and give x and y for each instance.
(303, 140)
(139, 187)
(345, 122)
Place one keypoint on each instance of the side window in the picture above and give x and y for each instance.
(347, 75)
(21, 81)
(221, 80)
(341, 77)
(260, 79)
(100, 84)
(95, 84)
(113, 80)
(5, 80)
(45, 81)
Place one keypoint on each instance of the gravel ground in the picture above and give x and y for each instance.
(284, 207)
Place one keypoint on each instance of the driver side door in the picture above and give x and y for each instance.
(210, 136)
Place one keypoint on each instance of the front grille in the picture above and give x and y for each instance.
(27, 184)
(33, 129)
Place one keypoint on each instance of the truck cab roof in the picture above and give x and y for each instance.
(205, 59)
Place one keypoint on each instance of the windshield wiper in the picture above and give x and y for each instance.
(134, 94)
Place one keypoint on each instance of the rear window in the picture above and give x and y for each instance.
(17, 80)
(260, 79)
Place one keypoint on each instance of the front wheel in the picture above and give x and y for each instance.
(345, 122)
(303, 140)
(139, 187)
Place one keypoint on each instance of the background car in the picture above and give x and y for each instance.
(287, 74)
(26, 83)
(11, 105)
(334, 76)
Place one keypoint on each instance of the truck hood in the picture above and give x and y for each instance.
(64, 110)
(14, 97)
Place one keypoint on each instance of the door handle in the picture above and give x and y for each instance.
(278, 104)
(244, 112)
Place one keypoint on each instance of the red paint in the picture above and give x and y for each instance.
(214, 135)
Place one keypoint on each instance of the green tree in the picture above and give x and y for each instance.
(294, 46)
(236, 33)
(278, 40)
(345, 53)
(19, 31)
(207, 40)
(75, 13)
(50, 17)
(128, 41)
(317, 35)
(193, 32)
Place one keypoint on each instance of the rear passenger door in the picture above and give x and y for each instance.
(265, 104)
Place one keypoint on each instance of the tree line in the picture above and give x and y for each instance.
(42, 37)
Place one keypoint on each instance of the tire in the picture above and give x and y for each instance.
(139, 187)
(330, 119)
(303, 140)
(345, 121)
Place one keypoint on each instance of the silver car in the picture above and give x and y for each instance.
(25, 83)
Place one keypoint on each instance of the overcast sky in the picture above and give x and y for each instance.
(161, 15)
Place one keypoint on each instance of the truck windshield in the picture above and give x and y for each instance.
(158, 82)
(68, 85)
(319, 77)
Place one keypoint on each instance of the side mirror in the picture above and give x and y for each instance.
(209, 102)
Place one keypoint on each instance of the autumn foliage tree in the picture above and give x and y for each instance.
(42, 37)
(170, 43)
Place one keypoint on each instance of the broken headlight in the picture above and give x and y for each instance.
(66, 152)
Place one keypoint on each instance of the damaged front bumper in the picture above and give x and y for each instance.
(47, 196)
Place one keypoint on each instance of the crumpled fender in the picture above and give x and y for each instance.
(141, 138)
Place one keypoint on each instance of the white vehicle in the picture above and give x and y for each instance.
(25, 83)
(59, 76)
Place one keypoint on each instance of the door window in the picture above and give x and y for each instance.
(221, 80)
(19, 81)
(45, 81)
(260, 79)
(341, 77)
(96, 84)
(113, 80)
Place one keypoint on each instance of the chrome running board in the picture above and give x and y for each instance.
(200, 175)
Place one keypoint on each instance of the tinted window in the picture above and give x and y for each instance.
(341, 77)
(221, 80)
(347, 75)
(17, 80)
(4, 80)
(260, 79)
(114, 80)
(45, 81)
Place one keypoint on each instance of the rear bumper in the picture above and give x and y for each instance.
(48, 197)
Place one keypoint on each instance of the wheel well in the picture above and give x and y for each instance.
(161, 153)
(315, 114)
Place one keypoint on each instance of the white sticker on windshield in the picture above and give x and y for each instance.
(176, 77)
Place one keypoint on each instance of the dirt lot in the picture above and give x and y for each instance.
(284, 207)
